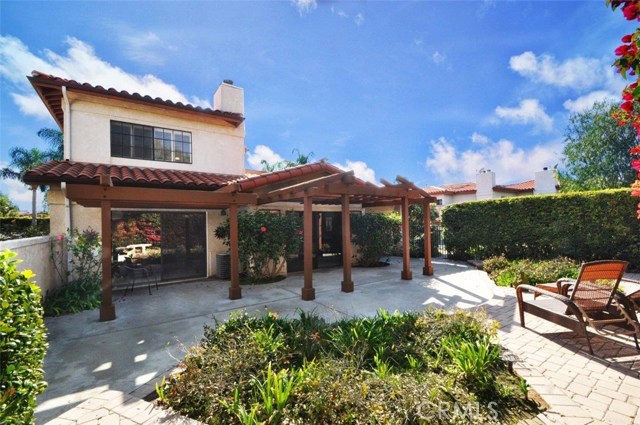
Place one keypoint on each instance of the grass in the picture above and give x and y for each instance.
(430, 367)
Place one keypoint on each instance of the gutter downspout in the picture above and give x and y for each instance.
(66, 144)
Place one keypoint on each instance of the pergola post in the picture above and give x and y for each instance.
(308, 292)
(107, 309)
(347, 283)
(406, 260)
(427, 270)
(234, 290)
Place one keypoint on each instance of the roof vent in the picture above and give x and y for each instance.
(230, 82)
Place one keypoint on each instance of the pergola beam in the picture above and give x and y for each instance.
(92, 195)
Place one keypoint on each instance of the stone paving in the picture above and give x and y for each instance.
(579, 388)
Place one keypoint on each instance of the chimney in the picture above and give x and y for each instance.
(545, 182)
(485, 180)
(229, 98)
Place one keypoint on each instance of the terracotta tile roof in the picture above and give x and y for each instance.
(122, 175)
(451, 189)
(275, 177)
(527, 186)
(49, 88)
(470, 188)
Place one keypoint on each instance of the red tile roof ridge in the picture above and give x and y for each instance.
(123, 93)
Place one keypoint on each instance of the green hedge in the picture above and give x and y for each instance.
(23, 343)
(18, 227)
(584, 226)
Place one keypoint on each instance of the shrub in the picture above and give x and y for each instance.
(512, 272)
(584, 226)
(265, 241)
(375, 235)
(381, 369)
(20, 227)
(416, 231)
(82, 288)
(23, 343)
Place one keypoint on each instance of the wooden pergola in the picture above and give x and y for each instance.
(317, 183)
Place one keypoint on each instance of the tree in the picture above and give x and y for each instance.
(55, 139)
(596, 151)
(7, 208)
(23, 160)
(300, 159)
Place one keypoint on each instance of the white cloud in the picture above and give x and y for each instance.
(79, 63)
(30, 104)
(304, 6)
(336, 11)
(20, 194)
(360, 169)
(262, 152)
(438, 57)
(359, 19)
(585, 102)
(145, 48)
(577, 73)
(529, 111)
(509, 162)
(480, 139)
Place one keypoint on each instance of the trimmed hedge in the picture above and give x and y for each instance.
(23, 343)
(584, 226)
(20, 227)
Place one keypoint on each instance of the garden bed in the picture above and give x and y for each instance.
(431, 367)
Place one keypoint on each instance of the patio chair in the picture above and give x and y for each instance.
(590, 300)
(139, 274)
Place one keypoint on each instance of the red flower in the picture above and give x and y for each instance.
(635, 164)
(263, 229)
(626, 38)
(630, 11)
(627, 106)
(635, 150)
(621, 50)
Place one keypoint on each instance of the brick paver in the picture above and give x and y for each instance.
(579, 388)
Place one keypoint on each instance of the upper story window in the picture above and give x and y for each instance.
(152, 143)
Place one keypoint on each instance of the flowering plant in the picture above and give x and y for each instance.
(628, 65)
(265, 241)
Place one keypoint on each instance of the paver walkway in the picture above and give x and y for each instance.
(579, 388)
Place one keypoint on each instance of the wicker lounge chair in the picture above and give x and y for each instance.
(591, 300)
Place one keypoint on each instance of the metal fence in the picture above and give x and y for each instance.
(438, 248)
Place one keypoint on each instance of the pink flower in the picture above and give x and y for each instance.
(300, 232)
(263, 229)
(59, 237)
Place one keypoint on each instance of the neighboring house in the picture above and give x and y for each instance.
(160, 176)
(485, 187)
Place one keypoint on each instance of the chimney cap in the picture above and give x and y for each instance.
(230, 82)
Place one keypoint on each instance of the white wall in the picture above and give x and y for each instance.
(35, 254)
(216, 148)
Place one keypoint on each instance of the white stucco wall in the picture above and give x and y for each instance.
(34, 254)
(216, 148)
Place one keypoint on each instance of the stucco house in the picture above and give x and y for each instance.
(485, 187)
(174, 172)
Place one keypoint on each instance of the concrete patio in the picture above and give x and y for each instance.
(98, 372)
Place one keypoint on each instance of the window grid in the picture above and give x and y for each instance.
(151, 143)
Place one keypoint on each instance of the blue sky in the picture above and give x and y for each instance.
(430, 90)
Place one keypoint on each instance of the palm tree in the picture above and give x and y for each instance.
(23, 160)
(55, 139)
